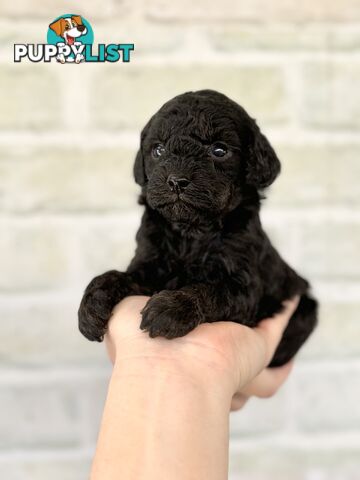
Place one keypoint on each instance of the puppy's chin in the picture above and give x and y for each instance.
(184, 211)
(178, 212)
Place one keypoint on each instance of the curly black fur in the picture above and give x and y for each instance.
(201, 251)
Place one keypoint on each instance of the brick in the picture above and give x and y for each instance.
(67, 179)
(138, 91)
(29, 97)
(284, 242)
(313, 174)
(92, 401)
(283, 463)
(55, 409)
(65, 468)
(32, 256)
(327, 249)
(320, 247)
(283, 37)
(164, 38)
(327, 398)
(47, 416)
(53, 320)
(21, 31)
(257, 11)
(37, 9)
(260, 417)
(337, 335)
(345, 38)
(331, 98)
(109, 245)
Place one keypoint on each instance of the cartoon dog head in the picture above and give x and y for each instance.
(70, 28)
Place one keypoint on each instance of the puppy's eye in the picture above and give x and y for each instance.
(218, 150)
(158, 150)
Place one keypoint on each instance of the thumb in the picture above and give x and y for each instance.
(253, 348)
(272, 329)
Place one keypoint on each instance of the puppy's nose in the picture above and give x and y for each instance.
(177, 184)
(81, 28)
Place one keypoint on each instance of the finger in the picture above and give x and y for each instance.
(268, 382)
(271, 329)
(110, 348)
(237, 402)
(131, 304)
(245, 348)
(126, 317)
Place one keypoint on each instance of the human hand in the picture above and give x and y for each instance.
(227, 355)
(170, 399)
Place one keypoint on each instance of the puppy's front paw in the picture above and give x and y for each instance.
(94, 314)
(60, 58)
(170, 314)
(100, 297)
(79, 58)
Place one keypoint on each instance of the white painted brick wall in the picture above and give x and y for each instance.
(68, 211)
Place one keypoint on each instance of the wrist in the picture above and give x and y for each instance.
(166, 386)
(164, 408)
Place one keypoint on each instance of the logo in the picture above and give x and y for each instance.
(70, 39)
(70, 31)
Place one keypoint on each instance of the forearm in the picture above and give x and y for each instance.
(159, 422)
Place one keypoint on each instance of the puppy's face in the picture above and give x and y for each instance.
(199, 154)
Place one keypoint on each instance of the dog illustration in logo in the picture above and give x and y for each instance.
(70, 29)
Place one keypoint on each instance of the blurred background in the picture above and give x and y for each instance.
(68, 211)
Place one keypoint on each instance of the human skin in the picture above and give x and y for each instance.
(167, 410)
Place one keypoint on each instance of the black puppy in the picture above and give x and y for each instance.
(201, 252)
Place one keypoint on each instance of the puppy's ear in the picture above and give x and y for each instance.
(263, 164)
(139, 165)
(139, 168)
(58, 26)
(77, 19)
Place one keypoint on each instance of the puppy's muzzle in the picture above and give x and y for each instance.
(177, 184)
